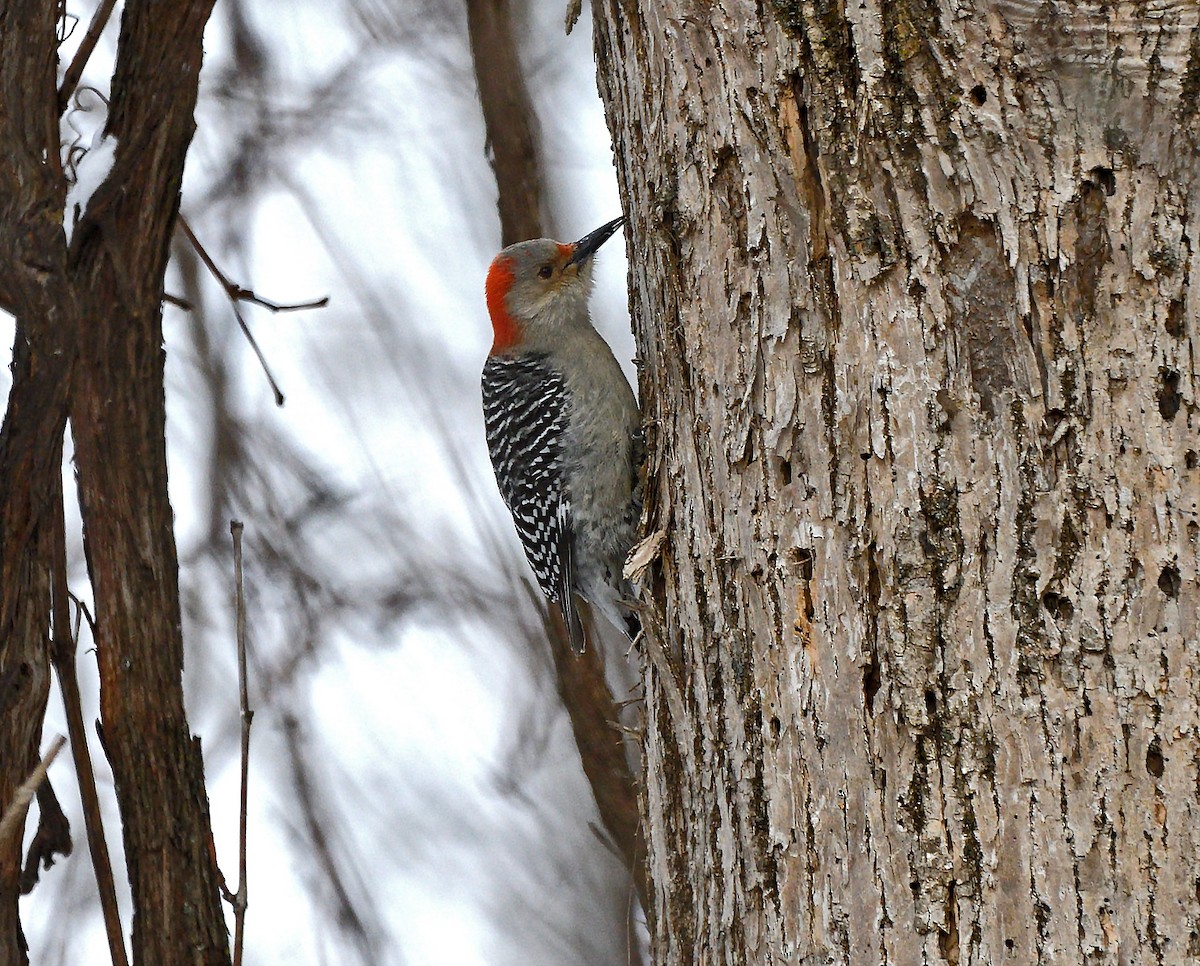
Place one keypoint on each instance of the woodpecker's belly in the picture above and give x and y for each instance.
(561, 432)
(600, 473)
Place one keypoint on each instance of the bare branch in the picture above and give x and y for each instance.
(247, 295)
(594, 720)
(237, 293)
(14, 816)
(231, 291)
(177, 301)
(34, 288)
(52, 838)
(240, 900)
(509, 119)
(118, 258)
(83, 54)
(62, 656)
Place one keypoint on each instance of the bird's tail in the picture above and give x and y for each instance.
(570, 615)
(615, 607)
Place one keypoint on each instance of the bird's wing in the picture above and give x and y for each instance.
(566, 579)
(525, 417)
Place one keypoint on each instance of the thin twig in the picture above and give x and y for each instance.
(81, 610)
(240, 899)
(248, 295)
(177, 301)
(230, 291)
(14, 816)
(236, 293)
(62, 656)
(82, 55)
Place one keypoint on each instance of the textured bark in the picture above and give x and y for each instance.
(101, 296)
(118, 420)
(33, 288)
(912, 282)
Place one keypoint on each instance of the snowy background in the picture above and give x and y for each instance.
(415, 791)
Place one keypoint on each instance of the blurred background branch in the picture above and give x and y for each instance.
(509, 119)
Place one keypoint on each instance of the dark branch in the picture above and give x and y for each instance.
(53, 837)
(62, 656)
(509, 119)
(241, 900)
(237, 293)
(83, 54)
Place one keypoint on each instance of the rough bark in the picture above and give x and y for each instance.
(118, 419)
(32, 287)
(102, 297)
(912, 283)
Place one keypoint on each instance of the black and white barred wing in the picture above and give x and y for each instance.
(525, 417)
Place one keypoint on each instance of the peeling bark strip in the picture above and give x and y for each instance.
(913, 289)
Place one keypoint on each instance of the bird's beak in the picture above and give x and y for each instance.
(586, 247)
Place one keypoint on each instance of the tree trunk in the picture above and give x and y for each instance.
(912, 285)
(118, 419)
(33, 287)
(89, 342)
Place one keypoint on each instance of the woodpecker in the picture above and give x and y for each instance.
(562, 426)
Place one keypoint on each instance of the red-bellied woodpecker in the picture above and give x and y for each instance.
(562, 425)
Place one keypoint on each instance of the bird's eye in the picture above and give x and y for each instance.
(545, 271)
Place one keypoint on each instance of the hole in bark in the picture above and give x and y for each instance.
(785, 471)
(1053, 418)
(776, 728)
(1154, 758)
(1058, 606)
(1009, 945)
(1105, 178)
(1168, 393)
(931, 703)
(871, 682)
(948, 939)
(979, 94)
(1191, 460)
(19, 679)
(947, 402)
(804, 559)
(1174, 323)
(1169, 581)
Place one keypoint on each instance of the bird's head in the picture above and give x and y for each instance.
(536, 288)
